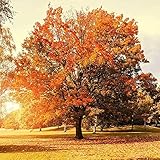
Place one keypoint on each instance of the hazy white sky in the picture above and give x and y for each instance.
(145, 12)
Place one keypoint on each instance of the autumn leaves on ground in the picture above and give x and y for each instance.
(53, 143)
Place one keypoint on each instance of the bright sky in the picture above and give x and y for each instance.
(145, 12)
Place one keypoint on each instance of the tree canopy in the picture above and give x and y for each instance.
(6, 11)
(88, 60)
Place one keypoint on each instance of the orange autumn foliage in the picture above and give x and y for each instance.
(60, 53)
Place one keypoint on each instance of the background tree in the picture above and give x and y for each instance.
(6, 11)
(36, 112)
(11, 121)
(6, 48)
(145, 108)
(156, 115)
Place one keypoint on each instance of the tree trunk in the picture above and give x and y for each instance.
(145, 124)
(78, 128)
(95, 125)
(132, 127)
(103, 125)
(65, 127)
(87, 127)
(94, 129)
(132, 124)
(132, 121)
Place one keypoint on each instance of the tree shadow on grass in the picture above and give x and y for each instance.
(36, 136)
(69, 143)
(89, 140)
(147, 158)
(72, 144)
(24, 148)
(121, 139)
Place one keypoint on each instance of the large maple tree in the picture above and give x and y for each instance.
(91, 59)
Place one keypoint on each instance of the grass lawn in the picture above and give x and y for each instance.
(53, 144)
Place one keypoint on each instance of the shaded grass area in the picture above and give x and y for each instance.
(52, 143)
(22, 148)
(136, 128)
(94, 152)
